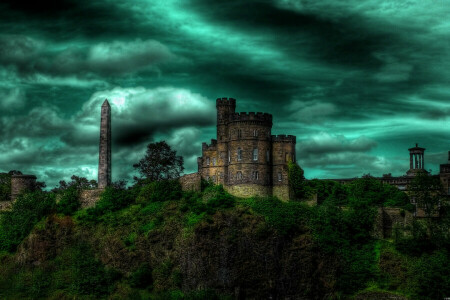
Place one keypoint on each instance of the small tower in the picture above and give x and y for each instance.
(104, 163)
(416, 161)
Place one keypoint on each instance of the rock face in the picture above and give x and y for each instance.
(237, 255)
(104, 163)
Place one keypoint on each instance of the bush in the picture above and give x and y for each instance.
(432, 275)
(112, 199)
(27, 211)
(142, 277)
(163, 190)
(284, 217)
(217, 198)
(69, 202)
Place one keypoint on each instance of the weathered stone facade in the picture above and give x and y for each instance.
(22, 183)
(191, 182)
(389, 218)
(104, 163)
(246, 158)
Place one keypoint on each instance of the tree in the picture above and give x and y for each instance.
(160, 162)
(427, 192)
(79, 183)
(297, 182)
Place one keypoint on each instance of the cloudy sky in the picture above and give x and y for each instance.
(357, 81)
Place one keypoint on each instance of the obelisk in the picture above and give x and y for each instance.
(104, 162)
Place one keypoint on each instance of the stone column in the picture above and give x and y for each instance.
(415, 161)
(104, 163)
(410, 160)
(423, 162)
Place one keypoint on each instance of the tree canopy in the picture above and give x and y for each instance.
(160, 162)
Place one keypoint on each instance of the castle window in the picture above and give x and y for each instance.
(213, 178)
(207, 161)
(255, 154)
(267, 156)
(239, 132)
(229, 156)
(214, 161)
(207, 178)
(255, 175)
(280, 176)
(286, 158)
(255, 132)
(239, 154)
(239, 175)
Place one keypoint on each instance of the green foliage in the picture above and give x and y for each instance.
(90, 276)
(160, 162)
(69, 202)
(297, 181)
(112, 199)
(164, 190)
(217, 198)
(324, 188)
(432, 275)
(5, 186)
(376, 193)
(427, 191)
(285, 217)
(26, 211)
(142, 277)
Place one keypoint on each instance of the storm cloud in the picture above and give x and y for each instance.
(358, 82)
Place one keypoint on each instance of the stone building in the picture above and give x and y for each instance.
(246, 158)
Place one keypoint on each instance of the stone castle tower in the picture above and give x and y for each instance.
(104, 162)
(245, 158)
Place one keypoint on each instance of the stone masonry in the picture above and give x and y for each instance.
(104, 163)
(246, 158)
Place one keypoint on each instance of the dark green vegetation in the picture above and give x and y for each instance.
(153, 241)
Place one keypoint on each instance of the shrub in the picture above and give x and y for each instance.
(142, 277)
(216, 198)
(163, 190)
(69, 202)
(112, 199)
(282, 216)
(27, 210)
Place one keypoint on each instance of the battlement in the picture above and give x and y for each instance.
(251, 116)
(212, 146)
(284, 138)
(224, 101)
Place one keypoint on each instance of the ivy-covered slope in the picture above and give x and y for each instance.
(157, 242)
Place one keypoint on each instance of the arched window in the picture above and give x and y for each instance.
(214, 161)
(255, 132)
(239, 154)
(239, 175)
(255, 154)
(229, 156)
(207, 161)
(267, 155)
(280, 176)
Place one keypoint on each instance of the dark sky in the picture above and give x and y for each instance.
(358, 81)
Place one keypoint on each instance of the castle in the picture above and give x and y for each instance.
(246, 158)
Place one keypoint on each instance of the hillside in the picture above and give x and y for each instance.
(157, 242)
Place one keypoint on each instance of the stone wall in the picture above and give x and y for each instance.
(281, 192)
(388, 218)
(88, 198)
(22, 183)
(191, 182)
(248, 190)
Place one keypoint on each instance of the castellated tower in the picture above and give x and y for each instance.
(245, 158)
(104, 163)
